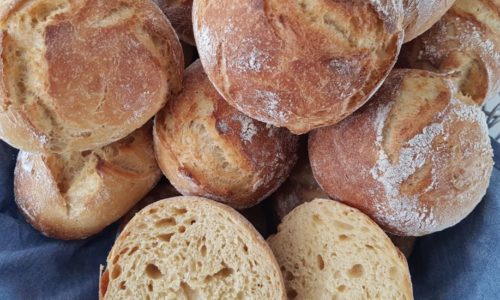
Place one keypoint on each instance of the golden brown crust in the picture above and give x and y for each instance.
(178, 13)
(207, 148)
(297, 64)
(417, 159)
(76, 195)
(65, 67)
(420, 15)
(465, 43)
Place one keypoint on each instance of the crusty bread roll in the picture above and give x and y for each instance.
(178, 13)
(300, 187)
(327, 250)
(417, 158)
(420, 15)
(465, 43)
(298, 64)
(75, 195)
(78, 75)
(207, 148)
(190, 248)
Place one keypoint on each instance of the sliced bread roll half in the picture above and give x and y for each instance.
(191, 248)
(327, 250)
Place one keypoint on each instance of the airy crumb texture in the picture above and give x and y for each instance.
(327, 250)
(191, 248)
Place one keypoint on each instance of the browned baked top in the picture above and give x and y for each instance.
(76, 75)
(297, 64)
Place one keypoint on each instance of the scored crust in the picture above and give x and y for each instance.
(417, 159)
(75, 195)
(207, 148)
(297, 64)
(66, 79)
(327, 250)
(191, 248)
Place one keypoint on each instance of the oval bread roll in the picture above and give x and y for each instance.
(75, 195)
(465, 43)
(191, 248)
(420, 15)
(417, 159)
(207, 148)
(298, 64)
(327, 250)
(178, 13)
(78, 75)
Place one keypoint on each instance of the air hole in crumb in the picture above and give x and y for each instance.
(393, 272)
(317, 219)
(165, 222)
(182, 229)
(343, 237)
(224, 272)
(289, 276)
(203, 250)
(321, 262)
(150, 287)
(122, 285)
(166, 237)
(291, 294)
(153, 211)
(117, 271)
(133, 250)
(153, 272)
(180, 211)
(356, 271)
(341, 288)
(86, 153)
(245, 248)
(370, 247)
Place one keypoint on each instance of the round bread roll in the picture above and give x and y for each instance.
(191, 248)
(207, 148)
(178, 13)
(75, 195)
(417, 159)
(299, 188)
(78, 75)
(465, 43)
(420, 15)
(327, 250)
(298, 64)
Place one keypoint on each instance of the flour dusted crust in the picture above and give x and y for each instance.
(464, 43)
(178, 13)
(420, 15)
(207, 148)
(75, 195)
(328, 250)
(191, 248)
(297, 64)
(80, 74)
(417, 159)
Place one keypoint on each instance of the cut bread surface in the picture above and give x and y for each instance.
(191, 248)
(327, 250)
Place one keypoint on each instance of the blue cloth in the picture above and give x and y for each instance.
(458, 263)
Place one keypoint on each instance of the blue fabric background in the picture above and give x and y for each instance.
(459, 263)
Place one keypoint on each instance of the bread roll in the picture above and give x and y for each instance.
(465, 43)
(417, 159)
(300, 187)
(179, 14)
(207, 148)
(327, 250)
(75, 195)
(298, 64)
(78, 75)
(191, 248)
(420, 15)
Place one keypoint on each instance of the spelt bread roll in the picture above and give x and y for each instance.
(298, 64)
(178, 13)
(299, 188)
(417, 159)
(465, 43)
(420, 15)
(207, 148)
(75, 195)
(78, 75)
(190, 248)
(327, 250)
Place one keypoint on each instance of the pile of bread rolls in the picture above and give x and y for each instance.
(386, 94)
